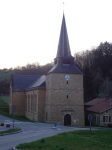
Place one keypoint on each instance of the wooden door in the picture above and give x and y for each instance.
(67, 120)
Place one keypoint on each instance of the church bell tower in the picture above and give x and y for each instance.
(64, 86)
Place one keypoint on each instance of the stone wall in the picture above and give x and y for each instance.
(35, 112)
(98, 118)
(63, 98)
(41, 104)
(17, 99)
(109, 113)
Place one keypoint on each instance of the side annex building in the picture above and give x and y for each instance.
(57, 96)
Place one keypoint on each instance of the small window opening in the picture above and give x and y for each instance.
(106, 111)
(67, 96)
(67, 82)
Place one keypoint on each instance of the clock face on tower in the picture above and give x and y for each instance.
(67, 77)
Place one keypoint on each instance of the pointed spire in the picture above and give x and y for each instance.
(64, 62)
(63, 46)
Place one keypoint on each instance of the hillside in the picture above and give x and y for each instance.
(4, 83)
(5, 76)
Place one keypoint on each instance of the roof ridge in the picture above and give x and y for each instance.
(26, 75)
(93, 100)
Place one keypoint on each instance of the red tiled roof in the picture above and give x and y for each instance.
(104, 105)
(95, 101)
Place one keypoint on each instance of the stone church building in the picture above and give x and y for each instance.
(56, 96)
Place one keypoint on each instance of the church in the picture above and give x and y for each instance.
(56, 96)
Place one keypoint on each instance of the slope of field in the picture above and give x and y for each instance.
(5, 98)
(5, 76)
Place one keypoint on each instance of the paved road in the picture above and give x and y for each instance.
(31, 132)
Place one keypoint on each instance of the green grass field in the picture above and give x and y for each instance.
(75, 140)
(4, 76)
(5, 98)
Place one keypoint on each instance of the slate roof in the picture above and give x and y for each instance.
(64, 61)
(100, 105)
(40, 82)
(65, 69)
(21, 82)
(63, 46)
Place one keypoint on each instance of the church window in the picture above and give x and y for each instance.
(35, 102)
(67, 96)
(46, 115)
(28, 102)
(31, 102)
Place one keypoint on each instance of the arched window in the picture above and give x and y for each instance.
(31, 102)
(35, 102)
(28, 102)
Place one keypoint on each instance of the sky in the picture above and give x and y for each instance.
(30, 29)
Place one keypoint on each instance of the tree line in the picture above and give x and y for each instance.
(29, 69)
(96, 65)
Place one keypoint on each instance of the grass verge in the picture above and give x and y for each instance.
(75, 140)
(10, 131)
(5, 112)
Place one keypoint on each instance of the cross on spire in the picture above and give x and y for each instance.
(63, 7)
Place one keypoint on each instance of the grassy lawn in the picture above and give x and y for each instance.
(75, 140)
(5, 98)
(3, 104)
(5, 76)
(5, 112)
(10, 131)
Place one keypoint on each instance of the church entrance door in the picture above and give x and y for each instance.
(67, 120)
